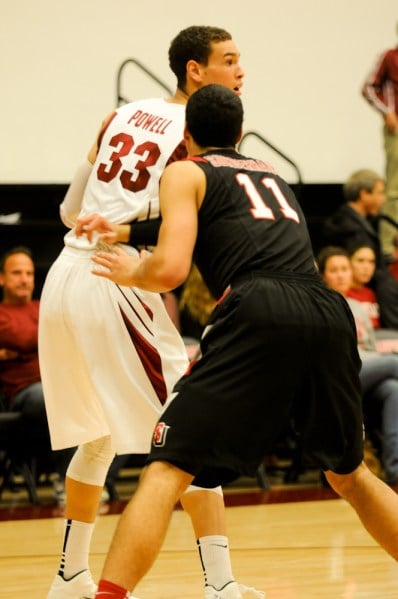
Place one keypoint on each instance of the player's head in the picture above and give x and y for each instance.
(202, 54)
(214, 117)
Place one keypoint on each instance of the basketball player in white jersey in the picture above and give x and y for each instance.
(109, 355)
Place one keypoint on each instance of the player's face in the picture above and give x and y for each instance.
(18, 279)
(223, 67)
(363, 264)
(337, 274)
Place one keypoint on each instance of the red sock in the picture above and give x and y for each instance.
(110, 590)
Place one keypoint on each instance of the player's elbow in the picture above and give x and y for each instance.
(171, 280)
(69, 220)
(173, 275)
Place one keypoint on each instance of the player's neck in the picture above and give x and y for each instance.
(180, 97)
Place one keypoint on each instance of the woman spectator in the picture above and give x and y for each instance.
(363, 264)
(379, 372)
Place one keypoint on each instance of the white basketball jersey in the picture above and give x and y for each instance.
(133, 152)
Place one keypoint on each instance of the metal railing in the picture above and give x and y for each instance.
(120, 99)
(275, 149)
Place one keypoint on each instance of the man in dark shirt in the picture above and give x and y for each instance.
(356, 223)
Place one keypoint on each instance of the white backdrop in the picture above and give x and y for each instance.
(305, 62)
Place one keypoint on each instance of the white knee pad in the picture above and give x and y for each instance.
(91, 461)
(192, 488)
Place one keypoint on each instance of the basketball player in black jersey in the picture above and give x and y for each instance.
(279, 344)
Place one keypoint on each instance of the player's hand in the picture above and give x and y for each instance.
(117, 266)
(94, 222)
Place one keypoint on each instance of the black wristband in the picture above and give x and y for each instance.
(144, 232)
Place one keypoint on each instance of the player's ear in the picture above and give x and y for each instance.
(187, 135)
(239, 136)
(194, 71)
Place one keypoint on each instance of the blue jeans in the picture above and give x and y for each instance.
(379, 378)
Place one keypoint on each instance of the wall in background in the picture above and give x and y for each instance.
(304, 61)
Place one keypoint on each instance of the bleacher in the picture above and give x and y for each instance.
(35, 210)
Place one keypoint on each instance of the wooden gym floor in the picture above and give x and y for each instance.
(293, 541)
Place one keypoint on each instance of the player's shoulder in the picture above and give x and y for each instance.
(184, 169)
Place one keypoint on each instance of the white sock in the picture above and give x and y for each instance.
(215, 558)
(76, 547)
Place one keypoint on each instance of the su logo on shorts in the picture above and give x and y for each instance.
(159, 434)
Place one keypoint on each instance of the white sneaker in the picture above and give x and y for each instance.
(250, 592)
(233, 590)
(80, 586)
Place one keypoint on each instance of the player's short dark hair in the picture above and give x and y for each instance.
(19, 249)
(193, 43)
(214, 116)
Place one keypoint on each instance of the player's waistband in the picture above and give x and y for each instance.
(282, 275)
(85, 252)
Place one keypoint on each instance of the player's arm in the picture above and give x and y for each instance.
(71, 205)
(182, 189)
(135, 233)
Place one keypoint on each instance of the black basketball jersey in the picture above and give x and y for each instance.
(249, 220)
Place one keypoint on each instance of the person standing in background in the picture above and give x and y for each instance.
(381, 91)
